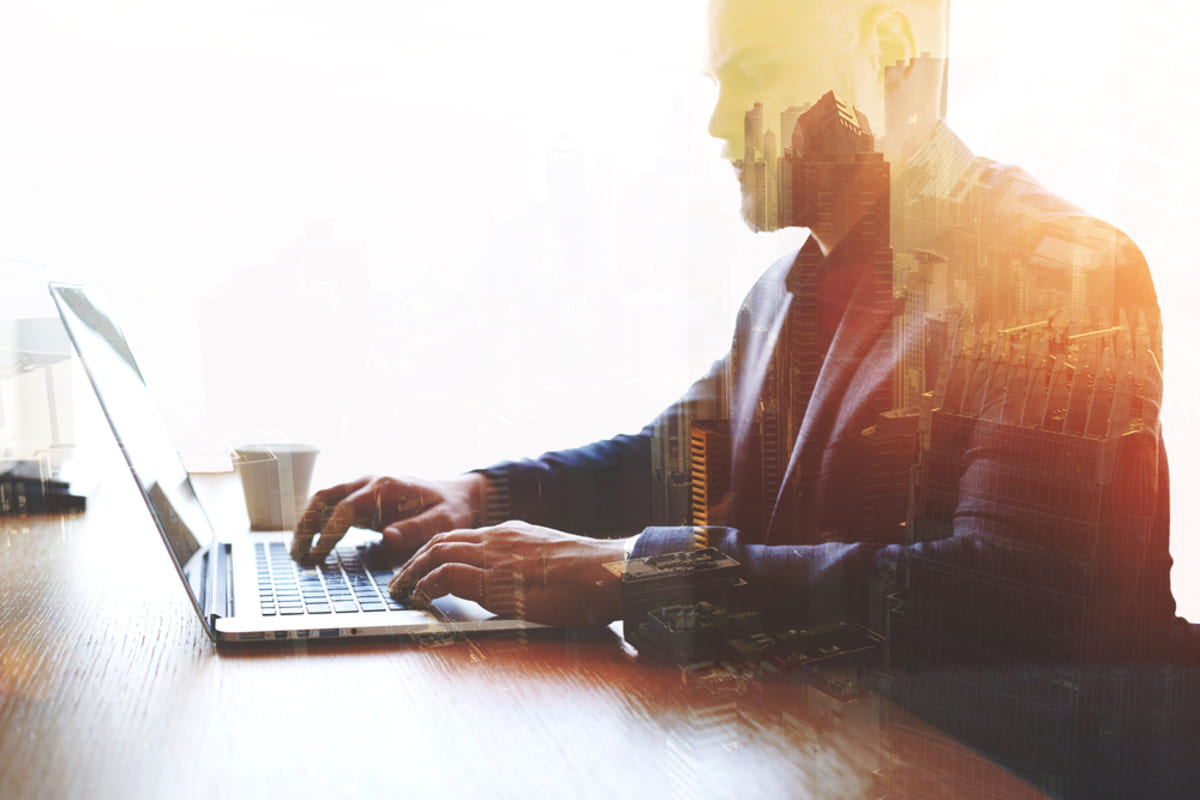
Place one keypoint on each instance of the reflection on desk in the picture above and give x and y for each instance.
(109, 687)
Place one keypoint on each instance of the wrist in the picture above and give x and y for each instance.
(607, 605)
(478, 491)
(490, 497)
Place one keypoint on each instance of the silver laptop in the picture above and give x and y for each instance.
(242, 584)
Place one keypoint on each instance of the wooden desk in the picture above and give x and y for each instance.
(109, 687)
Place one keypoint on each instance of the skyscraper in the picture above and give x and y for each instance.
(787, 125)
(1069, 413)
(756, 167)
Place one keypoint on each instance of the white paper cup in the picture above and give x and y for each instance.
(275, 479)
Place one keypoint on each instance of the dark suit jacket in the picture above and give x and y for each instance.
(979, 532)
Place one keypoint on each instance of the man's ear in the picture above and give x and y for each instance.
(889, 36)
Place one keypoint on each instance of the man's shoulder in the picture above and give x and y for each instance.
(1026, 213)
(1008, 204)
(1045, 231)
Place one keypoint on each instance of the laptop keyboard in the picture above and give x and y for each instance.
(343, 584)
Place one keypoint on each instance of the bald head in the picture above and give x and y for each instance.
(788, 53)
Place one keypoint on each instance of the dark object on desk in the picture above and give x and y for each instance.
(674, 578)
(683, 590)
(841, 644)
(677, 605)
(702, 631)
(682, 633)
(25, 490)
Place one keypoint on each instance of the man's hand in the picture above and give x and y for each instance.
(519, 570)
(407, 510)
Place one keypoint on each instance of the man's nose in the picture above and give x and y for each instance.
(724, 124)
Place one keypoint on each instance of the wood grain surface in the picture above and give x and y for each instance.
(109, 687)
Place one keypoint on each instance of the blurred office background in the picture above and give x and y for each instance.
(429, 236)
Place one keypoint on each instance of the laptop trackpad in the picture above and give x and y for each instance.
(457, 609)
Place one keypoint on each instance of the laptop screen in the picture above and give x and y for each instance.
(139, 429)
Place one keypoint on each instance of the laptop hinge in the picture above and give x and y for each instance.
(221, 567)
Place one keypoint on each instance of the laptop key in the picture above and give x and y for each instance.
(318, 608)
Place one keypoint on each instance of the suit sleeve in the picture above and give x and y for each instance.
(1004, 583)
(602, 489)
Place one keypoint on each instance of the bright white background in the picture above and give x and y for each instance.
(426, 236)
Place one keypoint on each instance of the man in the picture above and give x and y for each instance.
(938, 418)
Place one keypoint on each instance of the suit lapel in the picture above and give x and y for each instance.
(857, 362)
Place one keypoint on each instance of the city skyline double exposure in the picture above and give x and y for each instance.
(967, 372)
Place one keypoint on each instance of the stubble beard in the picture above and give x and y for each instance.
(747, 193)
